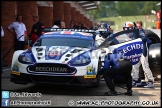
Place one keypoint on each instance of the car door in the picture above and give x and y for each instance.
(129, 46)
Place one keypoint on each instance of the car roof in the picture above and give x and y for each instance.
(68, 34)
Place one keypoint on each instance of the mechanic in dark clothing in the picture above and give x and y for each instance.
(36, 28)
(116, 65)
(108, 33)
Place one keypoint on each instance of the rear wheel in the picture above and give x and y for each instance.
(154, 58)
(154, 40)
(152, 36)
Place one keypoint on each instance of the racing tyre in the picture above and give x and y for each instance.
(98, 75)
(152, 36)
(154, 58)
(154, 39)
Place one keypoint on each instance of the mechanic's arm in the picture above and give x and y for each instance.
(11, 31)
(107, 64)
(144, 37)
(109, 33)
(10, 28)
(114, 39)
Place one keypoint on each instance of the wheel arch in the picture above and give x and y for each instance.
(154, 58)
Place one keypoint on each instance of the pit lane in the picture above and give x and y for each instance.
(63, 95)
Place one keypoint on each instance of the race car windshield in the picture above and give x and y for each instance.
(73, 42)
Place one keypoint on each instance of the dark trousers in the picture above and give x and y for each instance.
(15, 44)
(141, 73)
(125, 68)
(19, 45)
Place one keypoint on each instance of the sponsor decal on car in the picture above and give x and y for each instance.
(67, 32)
(50, 32)
(15, 69)
(85, 34)
(132, 51)
(54, 53)
(90, 72)
(50, 69)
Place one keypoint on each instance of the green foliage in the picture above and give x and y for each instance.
(124, 8)
(148, 6)
(95, 13)
(107, 8)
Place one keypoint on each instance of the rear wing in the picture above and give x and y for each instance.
(44, 30)
(94, 32)
(68, 29)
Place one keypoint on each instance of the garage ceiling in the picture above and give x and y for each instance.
(88, 5)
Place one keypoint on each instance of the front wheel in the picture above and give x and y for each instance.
(98, 75)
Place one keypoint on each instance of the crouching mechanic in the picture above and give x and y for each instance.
(143, 60)
(114, 65)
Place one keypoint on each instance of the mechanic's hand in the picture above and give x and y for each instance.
(144, 39)
(26, 37)
(149, 41)
(111, 35)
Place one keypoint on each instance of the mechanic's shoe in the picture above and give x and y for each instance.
(150, 84)
(142, 84)
(129, 92)
(111, 93)
(102, 78)
(136, 82)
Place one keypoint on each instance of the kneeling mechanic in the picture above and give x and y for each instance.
(115, 65)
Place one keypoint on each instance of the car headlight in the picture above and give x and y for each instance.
(25, 58)
(80, 60)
